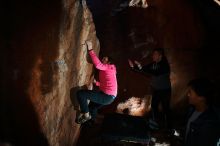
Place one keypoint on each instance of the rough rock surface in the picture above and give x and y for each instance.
(46, 62)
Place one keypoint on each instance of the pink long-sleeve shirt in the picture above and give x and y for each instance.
(107, 75)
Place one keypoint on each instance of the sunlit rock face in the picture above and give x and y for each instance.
(45, 65)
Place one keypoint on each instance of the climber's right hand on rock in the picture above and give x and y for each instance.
(89, 45)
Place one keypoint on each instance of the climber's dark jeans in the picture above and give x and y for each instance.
(97, 100)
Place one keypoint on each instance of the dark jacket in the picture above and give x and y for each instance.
(160, 74)
(205, 130)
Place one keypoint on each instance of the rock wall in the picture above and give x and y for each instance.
(45, 63)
